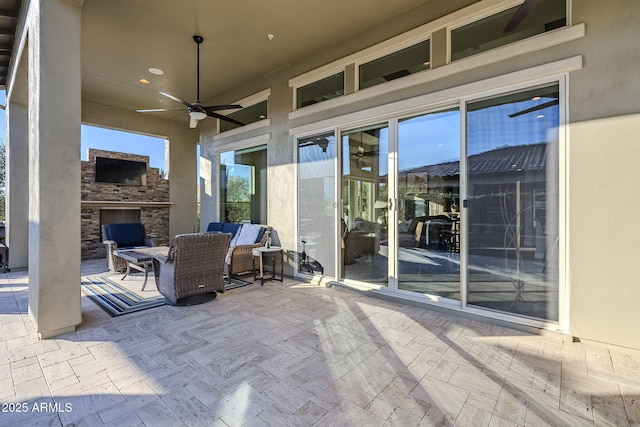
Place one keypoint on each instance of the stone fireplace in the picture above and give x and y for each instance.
(107, 203)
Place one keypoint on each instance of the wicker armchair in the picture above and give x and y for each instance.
(194, 265)
(123, 236)
(239, 259)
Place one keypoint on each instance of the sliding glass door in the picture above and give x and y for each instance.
(429, 203)
(364, 204)
(460, 205)
(512, 156)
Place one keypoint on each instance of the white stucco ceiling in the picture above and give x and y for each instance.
(121, 39)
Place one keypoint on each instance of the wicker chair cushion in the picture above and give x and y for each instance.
(127, 234)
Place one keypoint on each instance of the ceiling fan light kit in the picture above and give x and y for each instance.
(198, 115)
(196, 110)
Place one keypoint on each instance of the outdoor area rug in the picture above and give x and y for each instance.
(235, 283)
(118, 297)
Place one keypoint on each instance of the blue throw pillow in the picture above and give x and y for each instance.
(127, 234)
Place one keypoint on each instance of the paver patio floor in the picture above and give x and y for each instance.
(298, 354)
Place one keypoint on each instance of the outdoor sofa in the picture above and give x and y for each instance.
(246, 237)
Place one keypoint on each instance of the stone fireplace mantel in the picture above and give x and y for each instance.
(118, 204)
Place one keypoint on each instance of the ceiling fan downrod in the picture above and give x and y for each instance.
(198, 39)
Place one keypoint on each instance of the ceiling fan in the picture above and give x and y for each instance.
(525, 9)
(196, 110)
(554, 100)
(321, 142)
(361, 153)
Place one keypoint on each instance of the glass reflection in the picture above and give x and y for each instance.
(316, 196)
(512, 144)
(517, 23)
(363, 205)
(428, 215)
(243, 185)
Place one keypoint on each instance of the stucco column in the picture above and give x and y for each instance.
(54, 158)
(181, 166)
(17, 184)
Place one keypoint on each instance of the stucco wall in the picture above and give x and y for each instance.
(604, 186)
(601, 150)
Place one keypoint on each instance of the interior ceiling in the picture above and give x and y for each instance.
(122, 39)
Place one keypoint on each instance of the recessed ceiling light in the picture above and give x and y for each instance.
(270, 36)
(535, 98)
(144, 81)
(540, 116)
(156, 71)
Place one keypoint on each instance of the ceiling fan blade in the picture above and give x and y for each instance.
(221, 117)
(536, 108)
(158, 110)
(193, 123)
(175, 99)
(522, 12)
(222, 107)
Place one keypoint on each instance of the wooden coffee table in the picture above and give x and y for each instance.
(141, 259)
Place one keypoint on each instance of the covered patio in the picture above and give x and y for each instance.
(324, 93)
(302, 354)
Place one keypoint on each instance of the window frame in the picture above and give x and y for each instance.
(455, 19)
(390, 51)
(297, 88)
(249, 102)
(486, 13)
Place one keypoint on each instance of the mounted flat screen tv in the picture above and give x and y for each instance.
(116, 171)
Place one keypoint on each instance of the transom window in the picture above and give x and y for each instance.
(398, 64)
(321, 90)
(251, 114)
(511, 25)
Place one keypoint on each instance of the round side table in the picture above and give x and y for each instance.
(262, 253)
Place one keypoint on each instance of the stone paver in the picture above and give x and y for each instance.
(299, 354)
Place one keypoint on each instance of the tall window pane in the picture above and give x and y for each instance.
(316, 198)
(428, 215)
(243, 185)
(518, 23)
(395, 65)
(512, 149)
(363, 206)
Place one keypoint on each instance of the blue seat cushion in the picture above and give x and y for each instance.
(127, 234)
(214, 227)
(230, 227)
(249, 234)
